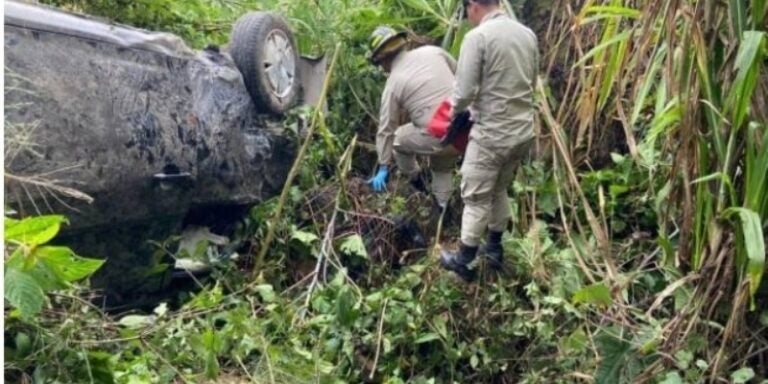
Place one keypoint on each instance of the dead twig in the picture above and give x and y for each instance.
(35, 181)
(378, 340)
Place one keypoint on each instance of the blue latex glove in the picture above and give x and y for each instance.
(379, 182)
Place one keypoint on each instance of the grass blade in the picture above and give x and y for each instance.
(753, 244)
(748, 64)
(602, 47)
(738, 16)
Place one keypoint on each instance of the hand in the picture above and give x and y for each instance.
(379, 182)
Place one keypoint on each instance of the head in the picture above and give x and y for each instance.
(475, 10)
(385, 44)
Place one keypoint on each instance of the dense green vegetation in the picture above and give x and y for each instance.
(637, 255)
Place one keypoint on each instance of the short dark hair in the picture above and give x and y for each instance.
(482, 2)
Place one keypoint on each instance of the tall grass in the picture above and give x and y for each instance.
(686, 82)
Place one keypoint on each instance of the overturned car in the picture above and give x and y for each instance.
(132, 135)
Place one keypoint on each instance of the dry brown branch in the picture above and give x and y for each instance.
(49, 185)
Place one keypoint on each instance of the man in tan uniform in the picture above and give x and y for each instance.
(495, 75)
(418, 80)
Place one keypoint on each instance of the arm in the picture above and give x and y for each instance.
(389, 116)
(468, 72)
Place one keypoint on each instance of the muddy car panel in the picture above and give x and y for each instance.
(137, 120)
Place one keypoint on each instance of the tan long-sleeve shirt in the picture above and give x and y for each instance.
(419, 81)
(495, 75)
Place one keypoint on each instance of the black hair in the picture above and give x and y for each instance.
(484, 3)
(481, 2)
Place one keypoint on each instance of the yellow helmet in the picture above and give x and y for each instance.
(383, 41)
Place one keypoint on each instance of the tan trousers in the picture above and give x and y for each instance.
(411, 142)
(485, 176)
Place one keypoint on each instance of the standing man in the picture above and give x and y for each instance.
(418, 81)
(496, 73)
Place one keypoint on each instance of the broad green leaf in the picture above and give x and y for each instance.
(161, 309)
(577, 341)
(212, 341)
(353, 245)
(683, 359)
(208, 298)
(10, 222)
(66, 264)
(616, 190)
(16, 260)
(324, 367)
(266, 291)
(137, 321)
(33, 230)
(304, 237)
(596, 294)
(754, 243)
(427, 338)
(46, 278)
(669, 251)
(23, 293)
(617, 158)
(474, 361)
(613, 356)
(23, 344)
(345, 301)
(100, 366)
(212, 345)
(743, 375)
(672, 378)
(303, 352)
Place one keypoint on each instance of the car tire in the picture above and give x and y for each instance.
(264, 51)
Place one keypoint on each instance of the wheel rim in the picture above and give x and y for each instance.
(279, 63)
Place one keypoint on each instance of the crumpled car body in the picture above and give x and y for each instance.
(146, 127)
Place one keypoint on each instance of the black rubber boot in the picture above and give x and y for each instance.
(494, 251)
(458, 261)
